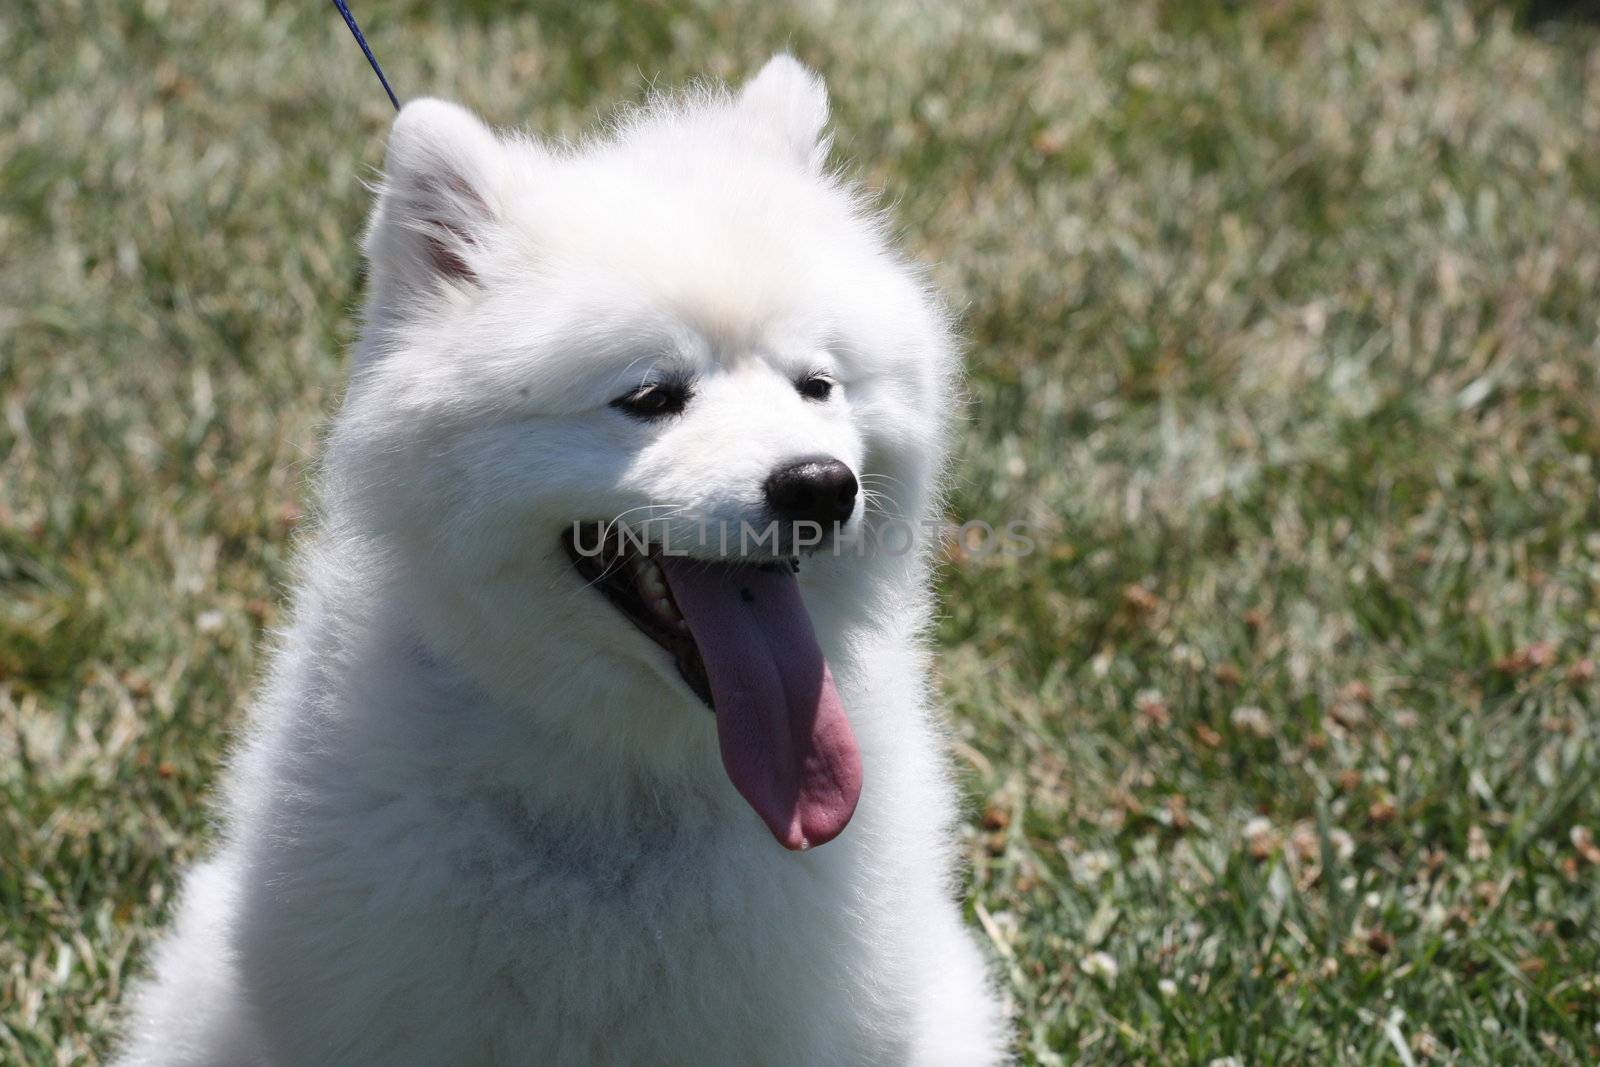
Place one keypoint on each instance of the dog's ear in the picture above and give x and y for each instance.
(788, 104)
(439, 202)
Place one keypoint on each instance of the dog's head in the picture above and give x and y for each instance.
(686, 329)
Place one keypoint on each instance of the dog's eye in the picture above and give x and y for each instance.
(815, 387)
(654, 401)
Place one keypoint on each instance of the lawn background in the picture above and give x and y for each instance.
(1283, 332)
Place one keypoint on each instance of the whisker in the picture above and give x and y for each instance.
(612, 522)
(609, 524)
(876, 499)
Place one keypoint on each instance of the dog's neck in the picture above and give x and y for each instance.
(388, 653)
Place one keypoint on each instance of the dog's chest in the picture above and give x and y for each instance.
(654, 867)
(666, 918)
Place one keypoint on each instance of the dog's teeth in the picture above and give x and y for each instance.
(651, 581)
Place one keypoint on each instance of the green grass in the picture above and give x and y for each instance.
(1283, 333)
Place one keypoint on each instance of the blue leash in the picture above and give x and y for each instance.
(350, 20)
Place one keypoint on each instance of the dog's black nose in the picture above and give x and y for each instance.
(820, 490)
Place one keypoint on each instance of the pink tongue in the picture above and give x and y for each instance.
(786, 743)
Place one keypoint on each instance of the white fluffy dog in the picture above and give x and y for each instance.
(484, 815)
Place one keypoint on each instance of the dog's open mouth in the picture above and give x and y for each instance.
(632, 580)
(743, 642)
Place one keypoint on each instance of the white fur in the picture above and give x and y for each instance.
(478, 818)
